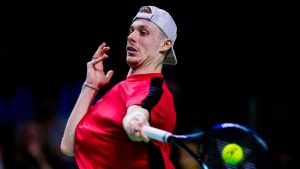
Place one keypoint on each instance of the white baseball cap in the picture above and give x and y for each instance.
(165, 22)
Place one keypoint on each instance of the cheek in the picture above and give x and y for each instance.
(145, 43)
(144, 47)
(149, 45)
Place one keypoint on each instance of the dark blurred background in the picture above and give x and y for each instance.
(235, 63)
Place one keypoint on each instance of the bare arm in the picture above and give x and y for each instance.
(81, 107)
(95, 79)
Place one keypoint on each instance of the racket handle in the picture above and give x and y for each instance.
(156, 134)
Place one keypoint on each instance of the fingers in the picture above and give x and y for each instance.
(99, 56)
(135, 132)
(101, 50)
(93, 62)
(143, 134)
(99, 59)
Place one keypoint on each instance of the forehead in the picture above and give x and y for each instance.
(145, 24)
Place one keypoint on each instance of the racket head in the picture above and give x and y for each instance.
(252, 149)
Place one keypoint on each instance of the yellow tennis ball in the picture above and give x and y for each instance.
(232, 153)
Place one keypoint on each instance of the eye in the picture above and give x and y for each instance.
(143, 32)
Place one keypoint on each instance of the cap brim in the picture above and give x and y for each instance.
(171, 58)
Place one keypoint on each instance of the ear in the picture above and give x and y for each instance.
(166, 45)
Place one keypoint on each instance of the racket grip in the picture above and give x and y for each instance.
(156, 134)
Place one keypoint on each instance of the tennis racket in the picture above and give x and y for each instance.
(224, 146)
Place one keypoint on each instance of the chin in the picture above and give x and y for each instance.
(132, 62)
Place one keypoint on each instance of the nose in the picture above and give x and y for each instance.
(132, 36)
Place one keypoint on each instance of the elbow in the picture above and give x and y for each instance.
(66, 149)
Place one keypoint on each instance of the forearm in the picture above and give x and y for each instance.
(82, 105)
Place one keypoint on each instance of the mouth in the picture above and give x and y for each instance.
(131, 50)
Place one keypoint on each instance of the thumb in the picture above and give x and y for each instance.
(144, 135)
(109, 74)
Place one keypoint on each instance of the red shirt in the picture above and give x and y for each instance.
(102, 143)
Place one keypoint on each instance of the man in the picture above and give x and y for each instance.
(108, 135)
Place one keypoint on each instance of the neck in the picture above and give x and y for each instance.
(144, 70)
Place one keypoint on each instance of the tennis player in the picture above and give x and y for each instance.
(107, 135)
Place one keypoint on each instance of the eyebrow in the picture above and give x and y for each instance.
(140, 27)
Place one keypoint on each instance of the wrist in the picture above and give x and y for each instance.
(91, 86)
(135, 112)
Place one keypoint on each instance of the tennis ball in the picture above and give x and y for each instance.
(232, 153)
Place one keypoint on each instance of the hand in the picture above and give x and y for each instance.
(134, 129)
(95, 70)
(134, 121)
